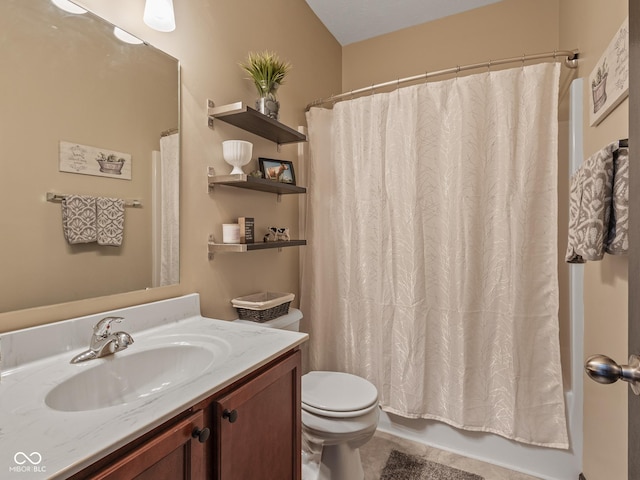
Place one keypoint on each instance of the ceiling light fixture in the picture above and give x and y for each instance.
(158, 14)
(68, 6)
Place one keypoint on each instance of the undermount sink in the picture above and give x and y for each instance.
(124, 378)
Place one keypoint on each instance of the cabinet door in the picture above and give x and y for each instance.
(172, 455)
(258, 434)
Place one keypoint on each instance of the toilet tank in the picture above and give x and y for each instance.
(290, 321)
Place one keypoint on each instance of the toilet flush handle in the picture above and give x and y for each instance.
(231, 415)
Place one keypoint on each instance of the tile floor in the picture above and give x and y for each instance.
(375, 453)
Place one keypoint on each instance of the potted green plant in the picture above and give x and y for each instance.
(267, 72)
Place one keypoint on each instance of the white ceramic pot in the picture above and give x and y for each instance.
(237, 153)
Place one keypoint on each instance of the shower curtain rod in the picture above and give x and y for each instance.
(571, 61)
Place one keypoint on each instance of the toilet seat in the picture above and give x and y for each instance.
(332, 414)
(337, 394)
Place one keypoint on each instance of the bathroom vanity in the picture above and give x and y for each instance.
(192, 397)
(249, 430)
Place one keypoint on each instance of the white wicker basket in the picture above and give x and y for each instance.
(263, 306)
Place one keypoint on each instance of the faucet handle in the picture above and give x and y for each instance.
(103, 326)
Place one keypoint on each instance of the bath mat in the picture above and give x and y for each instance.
(401, 466)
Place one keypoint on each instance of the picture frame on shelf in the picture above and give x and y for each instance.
(278, 170)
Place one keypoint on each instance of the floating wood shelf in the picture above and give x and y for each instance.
(246, 247)
(255, 122)
(253, 183)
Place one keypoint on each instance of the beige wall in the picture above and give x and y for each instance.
(501, 30)
(590, 25)
(210, 39)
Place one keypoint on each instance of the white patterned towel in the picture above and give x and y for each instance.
(110, 213)
(618, 238)
(598, 206)
(79, 219)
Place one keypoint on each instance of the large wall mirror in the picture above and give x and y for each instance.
(70, 87)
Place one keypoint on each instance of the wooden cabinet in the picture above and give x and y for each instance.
(255, 433)
(258, 426)
(175, 453)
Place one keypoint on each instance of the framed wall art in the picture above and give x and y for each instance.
(87, 160)
(609, 79)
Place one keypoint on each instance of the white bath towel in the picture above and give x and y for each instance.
(598, 218)
(79, 220)
(110, 221)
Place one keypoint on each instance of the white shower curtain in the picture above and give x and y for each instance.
(169, 251)
(431, 268)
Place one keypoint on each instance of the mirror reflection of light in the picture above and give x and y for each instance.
(68, 6)
(158, 14)
(126, 37)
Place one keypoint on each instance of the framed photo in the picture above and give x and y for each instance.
(278, 170)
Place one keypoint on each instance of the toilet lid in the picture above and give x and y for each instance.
(337, 392)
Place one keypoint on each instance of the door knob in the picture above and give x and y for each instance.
(603, 369)
(231, 415)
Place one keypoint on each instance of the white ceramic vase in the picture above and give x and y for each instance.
(237, 153)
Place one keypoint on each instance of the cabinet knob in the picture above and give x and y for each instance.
(231, 415)
(201, 434)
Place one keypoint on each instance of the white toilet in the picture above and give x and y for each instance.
(339, 415)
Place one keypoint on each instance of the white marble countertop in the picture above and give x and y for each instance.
(39, 442)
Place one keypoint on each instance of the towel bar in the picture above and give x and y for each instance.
(58, 197)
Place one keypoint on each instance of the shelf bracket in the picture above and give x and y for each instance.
(209, 252)
(210, 105)
(211, 172)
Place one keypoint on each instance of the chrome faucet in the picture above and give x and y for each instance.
(104, 342)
